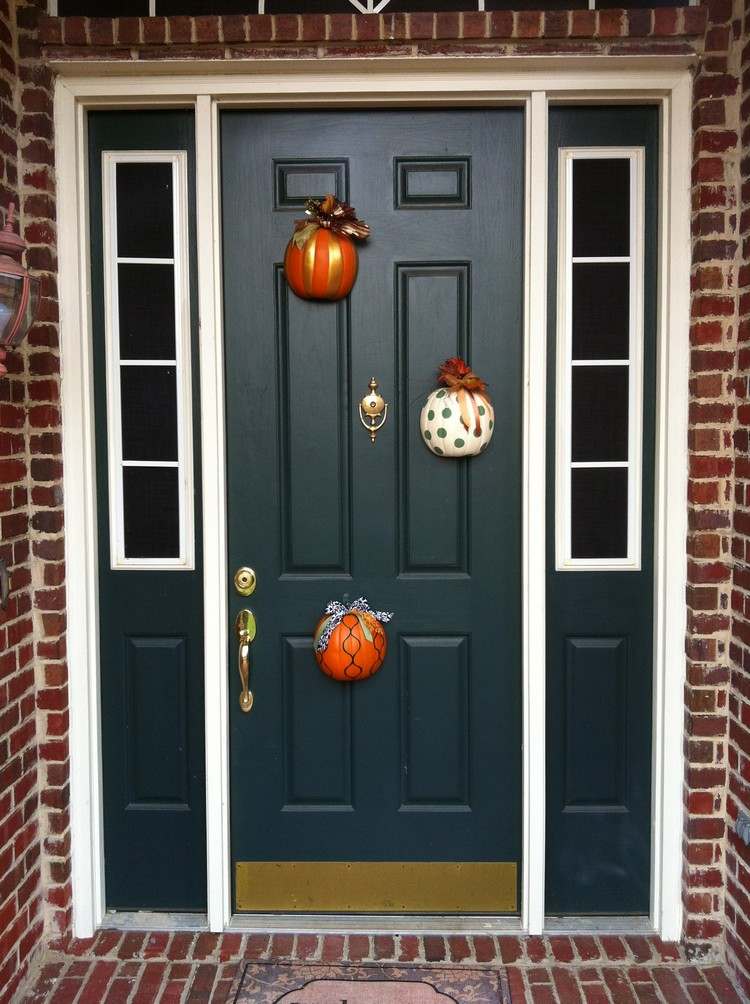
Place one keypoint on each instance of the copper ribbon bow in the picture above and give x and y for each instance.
(458, 377)
(330, 214)
(336, 612)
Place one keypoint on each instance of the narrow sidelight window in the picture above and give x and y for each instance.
(599, 359)
(148, 359)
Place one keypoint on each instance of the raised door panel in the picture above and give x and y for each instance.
(317, 731)
(435, 735)
(433, 310)
(313, 402)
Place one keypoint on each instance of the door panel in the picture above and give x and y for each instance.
(600, 623)
(150, 622)
(421, 763)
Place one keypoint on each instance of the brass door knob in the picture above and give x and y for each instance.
(244, 628)
(245, 581)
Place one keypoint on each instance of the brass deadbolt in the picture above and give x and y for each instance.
(244, 581)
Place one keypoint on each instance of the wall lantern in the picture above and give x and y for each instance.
(19, 291)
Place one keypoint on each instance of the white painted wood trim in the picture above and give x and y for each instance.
(564, 561)
(534, 509)
(180, 262)
(364, 83)
(670, 607)
(214, 513)
(79, 463)
(374, 82)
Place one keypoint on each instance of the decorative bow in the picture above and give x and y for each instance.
(459, 377)
(335, 613)
(330, 214)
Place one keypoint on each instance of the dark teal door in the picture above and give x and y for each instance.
(150, 609)
(600, 619)
(346, 796)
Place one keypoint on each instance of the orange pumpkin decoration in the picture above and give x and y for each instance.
(350, 642)
(324, 268)
(320, 261)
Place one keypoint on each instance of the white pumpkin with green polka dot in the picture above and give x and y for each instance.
(444, 432)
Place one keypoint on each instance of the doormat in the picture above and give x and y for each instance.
(273, 983)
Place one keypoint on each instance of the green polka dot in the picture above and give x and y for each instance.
(442, 433)
(440, 393)
(436, 449)
(481, 409)
(430, 415)
(447, 413)
(459, 443)
(427, 434)
(491, 423)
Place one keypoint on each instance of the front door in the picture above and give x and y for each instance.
(401, 792)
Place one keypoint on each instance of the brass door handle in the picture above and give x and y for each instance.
(244, 627)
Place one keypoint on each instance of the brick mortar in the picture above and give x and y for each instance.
(188, 965)
(737, 903)
(33, 388)
(317, 35)
(718, 545)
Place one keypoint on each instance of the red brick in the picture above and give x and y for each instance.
(458, 948)
(434, 948)
(307, 946)
(333, 948)
(528, 24)
(359, 947)
(205, 945)
(385, 946)
(281, 946)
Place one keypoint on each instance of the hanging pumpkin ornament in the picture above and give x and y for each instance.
(320, 262)
(457, 419)
(350, 641)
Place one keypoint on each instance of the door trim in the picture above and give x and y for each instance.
(530, 81)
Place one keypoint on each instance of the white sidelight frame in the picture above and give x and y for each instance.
(565, 363)
(533, 82)
(179, 261)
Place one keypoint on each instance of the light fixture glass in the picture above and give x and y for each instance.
(19, 291)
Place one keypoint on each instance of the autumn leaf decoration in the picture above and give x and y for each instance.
(330, 214)
(459, 378)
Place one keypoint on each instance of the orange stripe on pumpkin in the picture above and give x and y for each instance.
(310, 254)
(335, 268)
(293, 268)
(350, 262)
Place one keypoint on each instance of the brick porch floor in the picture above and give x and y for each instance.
(117, 967)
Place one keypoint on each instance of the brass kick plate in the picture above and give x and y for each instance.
(377, 886)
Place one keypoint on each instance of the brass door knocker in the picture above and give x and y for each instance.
(373, 411)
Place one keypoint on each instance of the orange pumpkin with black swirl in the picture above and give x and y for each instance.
(356, 648)
(324, 268)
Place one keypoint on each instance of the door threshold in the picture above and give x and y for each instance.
(286, 923)
(598, 925)
(278, 923)
(153, 920)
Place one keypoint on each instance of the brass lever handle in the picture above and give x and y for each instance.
(244, 627)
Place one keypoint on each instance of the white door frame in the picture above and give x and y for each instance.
(534, 82)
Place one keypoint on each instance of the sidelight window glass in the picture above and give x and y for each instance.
(599, 359)
(148, 359)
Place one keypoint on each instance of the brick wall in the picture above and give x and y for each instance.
(738, 796)
(713, 335)
(717, 715)
(31, 628)
(266, 36)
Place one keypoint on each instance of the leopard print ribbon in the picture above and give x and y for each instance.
(335, 613)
